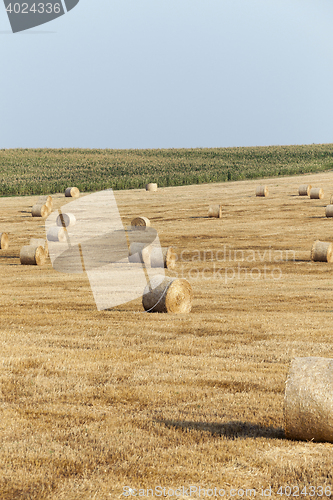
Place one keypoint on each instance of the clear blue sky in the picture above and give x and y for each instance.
(170, 74)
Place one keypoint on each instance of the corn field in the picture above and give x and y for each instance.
(42, 171)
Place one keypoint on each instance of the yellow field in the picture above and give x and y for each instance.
(95, 401)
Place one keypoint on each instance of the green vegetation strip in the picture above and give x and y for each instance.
(43, 171)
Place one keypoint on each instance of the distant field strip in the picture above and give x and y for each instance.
(42, 171)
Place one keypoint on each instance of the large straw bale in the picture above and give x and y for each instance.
(40, 211)
(140, 252)
(45, 200)
(4, 241)
(322, 251)
(151, 186)
(316, 193)
(261, 191)
(163, 257)
(167, 295)
(56, 233)
(304, 190)
(308, 403)
(215, 211)
(40, 242)
(66, 220)
(329, 211)
(140, 223)
(32, 256)
(72, 192)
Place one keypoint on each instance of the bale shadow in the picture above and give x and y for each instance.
(231, 430)
(202, 217)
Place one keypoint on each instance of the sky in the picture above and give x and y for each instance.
(170, 74)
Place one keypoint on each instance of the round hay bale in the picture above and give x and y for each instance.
(167, 295)
(39, 242)
(140, 223)
(215, 211)
(163, 257)
(308, 402)
(66, 220)
(316, 193)
(138, 252)
(4, 241)
(72, 192)
(304, 190)
(45, 200)
(329, 211)
(322, 251)
(261, 191)
(56, 233)
(32, 256)
(40, 211)
(151, 187)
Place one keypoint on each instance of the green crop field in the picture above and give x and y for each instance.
(42, 171)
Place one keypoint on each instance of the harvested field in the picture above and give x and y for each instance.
(95, 401)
